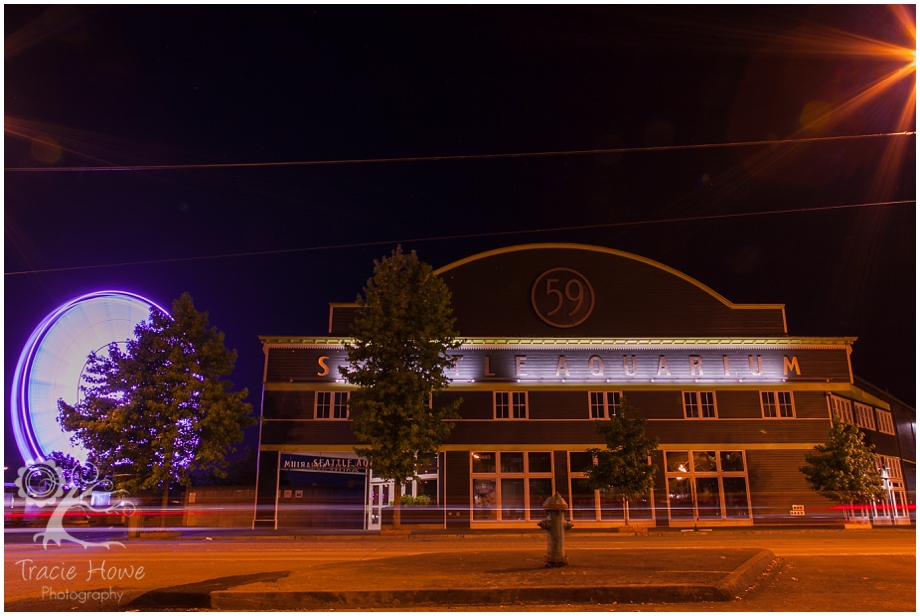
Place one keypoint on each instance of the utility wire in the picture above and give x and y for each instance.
(409, 159)
(464, 236)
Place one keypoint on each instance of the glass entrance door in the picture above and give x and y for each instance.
(380, 496)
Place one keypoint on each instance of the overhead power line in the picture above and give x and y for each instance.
(409, 159)
(461, 237)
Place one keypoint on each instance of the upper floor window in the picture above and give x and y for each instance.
(510, 405)
(777, 404)
(842, 409)
(699, 404)
(890, 466)
(332, 404)
(603, 404)
(865, 416)
(885, 424)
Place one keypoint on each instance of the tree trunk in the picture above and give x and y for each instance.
(164, 505)
(626, 510)
(397, 523)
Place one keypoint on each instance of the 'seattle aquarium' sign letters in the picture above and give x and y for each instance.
(608, 365)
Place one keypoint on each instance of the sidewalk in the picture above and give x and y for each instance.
(478, 577)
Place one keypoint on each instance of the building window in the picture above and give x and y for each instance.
(511, 485)
(332, 404)
(425, 482)
(865, 416)
(607, 505)
(777, 404)
(603, 404)
(707, 485)
(890, 466)
(510, 405)
(895, 505)
(699, 404)
(842, 409)
(885, 424)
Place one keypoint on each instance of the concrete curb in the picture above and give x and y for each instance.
(725, 589)
(741, 578)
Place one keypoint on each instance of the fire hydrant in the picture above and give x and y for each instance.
(555, 527)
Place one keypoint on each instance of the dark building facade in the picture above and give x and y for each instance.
(557, 336)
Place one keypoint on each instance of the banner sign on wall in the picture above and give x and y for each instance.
(323, 464)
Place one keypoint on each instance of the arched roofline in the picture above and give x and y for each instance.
(611, 251)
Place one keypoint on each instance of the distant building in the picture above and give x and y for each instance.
(556, 337)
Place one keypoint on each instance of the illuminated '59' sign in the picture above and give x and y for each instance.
(562, 297)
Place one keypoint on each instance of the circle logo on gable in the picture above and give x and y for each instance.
(562, 297)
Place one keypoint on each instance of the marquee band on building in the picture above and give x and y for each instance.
(556, 337)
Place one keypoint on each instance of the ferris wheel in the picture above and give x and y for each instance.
(52, 363)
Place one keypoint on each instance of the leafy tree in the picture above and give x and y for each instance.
(160, 409)
(71, 469)
(844, 468)
(398, 360)
(623, 465)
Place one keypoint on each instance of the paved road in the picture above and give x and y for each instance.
(815, 570)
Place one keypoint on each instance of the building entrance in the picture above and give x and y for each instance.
(316, 491)
(380, 497)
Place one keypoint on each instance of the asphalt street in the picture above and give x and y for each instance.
(806, 570)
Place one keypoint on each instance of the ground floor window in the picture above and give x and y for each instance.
(590, 504)
(511, 485)
(894, 506)
(425, 484)
(707, 485)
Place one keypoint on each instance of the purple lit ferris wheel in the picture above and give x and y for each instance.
(52, 363)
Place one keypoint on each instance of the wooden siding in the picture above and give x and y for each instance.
(546, 432)
(571, 405)
(823, 364)
(905, 424)
(657, 404)
(447, 397)
(267, 484)
(523, 432)
(811, 405)
(746, 404)
(492, 297)
(740, 431)
(294, 432)
(341, 320)
(288, 404)
(537, 432)
(885, 444)
(457, 489)
(558, 405)
(736, 405)
(476, 404)
(561, 474)
(660, 490)
(776, 484)
(287, 365)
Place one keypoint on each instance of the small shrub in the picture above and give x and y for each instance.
(414, 501)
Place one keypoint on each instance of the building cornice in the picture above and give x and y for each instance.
(589, 343)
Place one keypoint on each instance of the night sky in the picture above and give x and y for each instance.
(264, 249)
